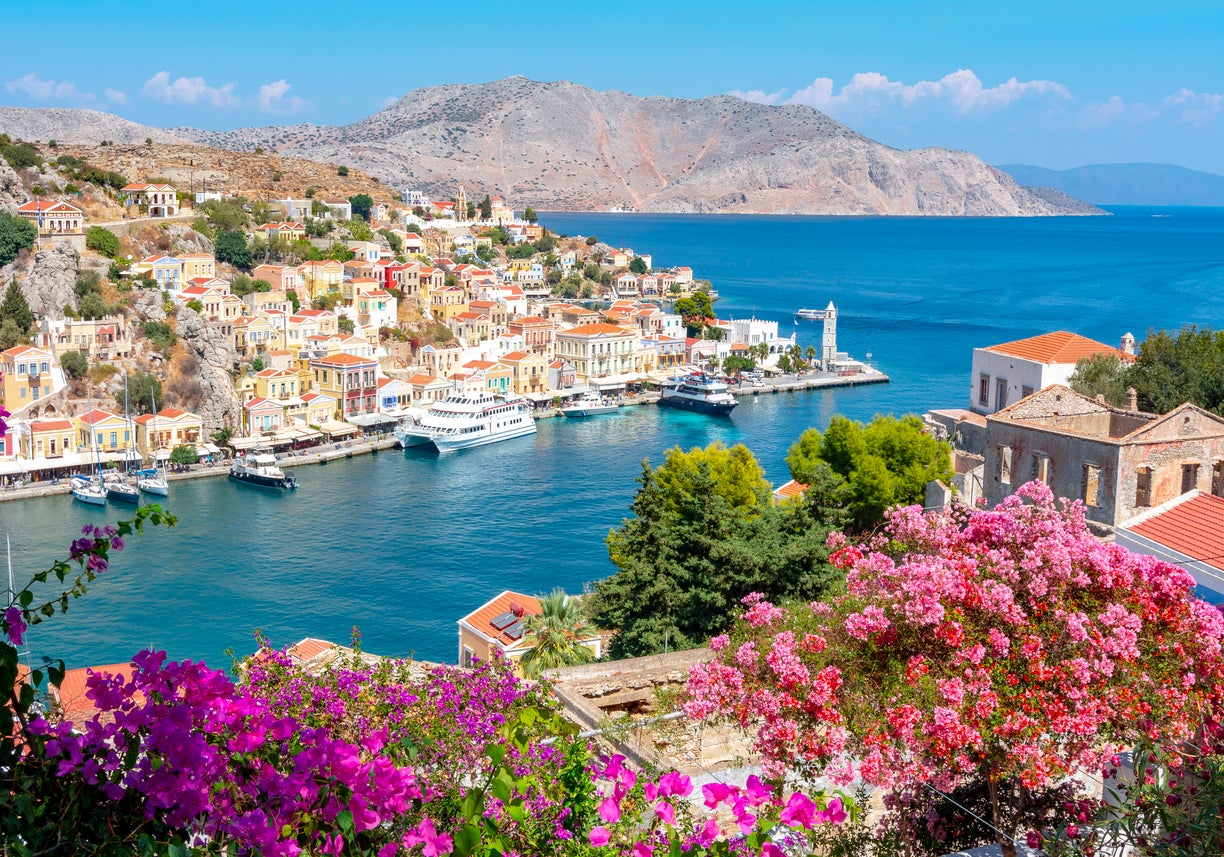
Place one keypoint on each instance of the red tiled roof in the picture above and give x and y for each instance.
(76, 706)
(1194, 527)
(514, 355)
(482, 618)
(594, 330)
(97, 416)
(50, 425)
(1057, 347)
(789, 490)
(308, 648)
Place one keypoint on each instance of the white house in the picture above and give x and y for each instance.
(756, 331)
(1004, 374)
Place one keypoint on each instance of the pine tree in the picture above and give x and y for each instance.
(16, 307)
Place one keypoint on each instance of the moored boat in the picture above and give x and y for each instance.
(152, 482)
(811, 314)
(589, 405)
(121, 491)
(698, 391)
(464, 420)
(259, 469)
(89, 491)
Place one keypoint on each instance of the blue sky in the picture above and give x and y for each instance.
(1057, 84)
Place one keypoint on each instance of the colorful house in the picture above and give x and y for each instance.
(28, 375)
(160, 200)
(53, 217)
(529, 371)
(196, 265)
(51, 438)
(105, 432)
(158, 434)
(166, 271)
(350, 380)
(599, 350)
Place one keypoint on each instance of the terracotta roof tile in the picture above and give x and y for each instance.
(1194, 527)
(1057, 347)
(482, 618)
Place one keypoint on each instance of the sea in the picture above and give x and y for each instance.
(402, 544)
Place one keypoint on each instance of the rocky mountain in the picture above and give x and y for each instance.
(1127, 184)
(561, 146)
(76, 125)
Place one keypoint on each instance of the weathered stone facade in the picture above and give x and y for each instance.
(1117, 462)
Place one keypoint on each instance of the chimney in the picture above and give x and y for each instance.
(1132, 399)
(1128, 343)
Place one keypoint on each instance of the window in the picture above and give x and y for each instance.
(1025, 392)
(983, 389)
(1000, 393)
(1189, 477)
(1143, 487)
(1091, 486)
(1041, 467)
(1217, 479)
(114, 439)
(1005, 464)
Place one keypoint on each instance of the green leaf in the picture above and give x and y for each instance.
(466, 839)
(345, 820)
(501, 787)
(25, 598)
(495, 753)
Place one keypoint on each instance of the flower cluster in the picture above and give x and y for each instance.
(1008, 641)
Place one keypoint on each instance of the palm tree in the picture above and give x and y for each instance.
(557, 632)
(811, 353)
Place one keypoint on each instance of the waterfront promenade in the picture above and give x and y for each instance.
(372, 445)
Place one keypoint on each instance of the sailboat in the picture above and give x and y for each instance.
(117, 486)
(150, 480)
(89, 489)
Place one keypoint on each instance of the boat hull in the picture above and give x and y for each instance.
(119, 495)
(452, 443)
(90, 497)
(154, 488)
(271, 483)
(409, 438)
(697, 405)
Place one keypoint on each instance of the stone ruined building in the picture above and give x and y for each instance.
(627, 699)
(1118, 461)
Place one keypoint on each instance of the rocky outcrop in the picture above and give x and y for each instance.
(217, 404)
(149, 304)
(184, 239)
(49, 283)
(12, 191)
(70, 124)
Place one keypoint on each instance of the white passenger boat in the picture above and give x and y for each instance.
(700, 392)
(463, 420)
(811, 314)
(259, 468)
(589, 405)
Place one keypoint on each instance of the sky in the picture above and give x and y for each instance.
(1056, 84)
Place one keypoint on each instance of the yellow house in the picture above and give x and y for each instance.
(320, 278)
(168, 428)
(105, 431)
(198, 265)
(51, 438)
(27, 375)
(276, 384)
(599, 350)
(529, 371)
(253, 335)
(447, 302)
(500, 626)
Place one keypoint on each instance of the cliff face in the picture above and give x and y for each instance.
(560, 146)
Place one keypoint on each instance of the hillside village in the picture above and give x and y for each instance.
(251, 308)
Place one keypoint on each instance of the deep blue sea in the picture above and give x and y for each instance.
(403, 544)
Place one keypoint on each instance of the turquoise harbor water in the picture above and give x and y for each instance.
(402, 544)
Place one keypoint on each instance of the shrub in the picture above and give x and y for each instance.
(160, 334)
(102, 240)
(16, 234)
(342, 171)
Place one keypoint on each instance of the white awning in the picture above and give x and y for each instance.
(247, 442)
(365, 420)
(335, 428)
(29, 465)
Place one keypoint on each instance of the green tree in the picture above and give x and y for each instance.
(342, 171)
(19, 154)
(703, 535)
(362, 203)
(92, 305)
(87, 281)
(224, 216)
(257, 365)
(733, 363)
(486, 208)
(784, 364)
(887, 462)
(1101, 374)
(15, 308)
(75, 364)
(556, 635)
(345, 324)
(591, 271)
(102, 240)
(359, 230)
(11, 334)
(16, 234)
(592, 240)
(529, 214)
(1184, 367)
(638, 266)
(160, 334)
(144, 392)
(393, 241)
(232, 247)
(184, 455)
(292, 296)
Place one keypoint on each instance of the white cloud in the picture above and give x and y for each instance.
(189, 90)
(1185, 106)
(116, 96)
(34, 87)
(271, 98)
(388, 101)
(872, 92)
